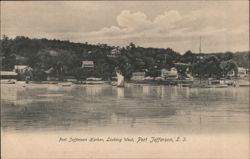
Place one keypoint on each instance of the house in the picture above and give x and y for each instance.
(169, 74)
(88, 64)
(8, 75)
(21, 68)
(24, 72)
(115, 52)
(242, 72)
(138, 76)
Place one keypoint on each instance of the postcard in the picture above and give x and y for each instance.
(124, 79)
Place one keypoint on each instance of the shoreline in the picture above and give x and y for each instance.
(180, 83)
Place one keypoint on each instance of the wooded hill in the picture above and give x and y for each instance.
(65, 58)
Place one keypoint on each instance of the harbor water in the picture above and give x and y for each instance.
(133, 109)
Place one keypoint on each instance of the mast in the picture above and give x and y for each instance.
(200, 46)
(200, 57)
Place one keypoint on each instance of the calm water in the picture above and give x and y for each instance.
(158, 109)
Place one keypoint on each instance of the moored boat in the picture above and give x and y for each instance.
(8, 81)
(65, 84)
(93, 80)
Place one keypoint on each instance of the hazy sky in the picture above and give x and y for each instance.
(224, 26)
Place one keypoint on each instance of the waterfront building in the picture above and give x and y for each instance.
(8, 75)
(24, 72)
(21, 68)
(138, 76)
(169, 74)
(242, 72)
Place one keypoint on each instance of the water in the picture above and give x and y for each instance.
(105, 108)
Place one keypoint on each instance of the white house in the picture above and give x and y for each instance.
(169, 74)
(115, 52)
(88, 64)
(21, 68)
(8, 75)
(138, 76)
(242, 72)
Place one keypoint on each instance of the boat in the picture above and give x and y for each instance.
(8, 81)
(21, 82)
(65, 84)
(120, 79)
(212, 83)
(216, 83)
(93, 80)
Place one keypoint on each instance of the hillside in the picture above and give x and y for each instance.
(65, 57)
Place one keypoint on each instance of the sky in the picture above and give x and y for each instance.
(222, 25)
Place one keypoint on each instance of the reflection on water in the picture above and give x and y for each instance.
(120, 92)
(131, 109)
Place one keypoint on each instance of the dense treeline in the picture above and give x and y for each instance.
(63, 58)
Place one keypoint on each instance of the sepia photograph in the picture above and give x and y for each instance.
(125, 79)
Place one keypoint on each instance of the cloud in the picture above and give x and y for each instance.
(168, 18)
(133, 21)
(170, 27)
(167, 24)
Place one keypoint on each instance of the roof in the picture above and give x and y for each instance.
(8, 73)
(241, 69)
(19, 67)
(87, 62)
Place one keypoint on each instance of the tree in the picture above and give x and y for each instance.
(227, 66)
(188, 57)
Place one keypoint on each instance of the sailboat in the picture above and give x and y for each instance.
(120, 79)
